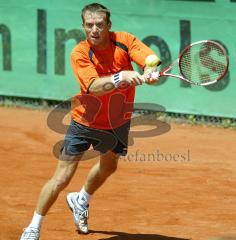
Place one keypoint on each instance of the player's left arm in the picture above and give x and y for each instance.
(143, 56)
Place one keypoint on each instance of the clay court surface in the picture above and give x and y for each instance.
(188, 192)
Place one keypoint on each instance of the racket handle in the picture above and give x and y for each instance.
(153, 75)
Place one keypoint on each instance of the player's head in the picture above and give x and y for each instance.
(95, 8)
(96, 24)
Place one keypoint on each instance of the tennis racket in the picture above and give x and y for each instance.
(201, 63)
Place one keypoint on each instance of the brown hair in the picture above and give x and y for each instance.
(96, 7)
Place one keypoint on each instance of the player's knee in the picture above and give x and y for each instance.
(69, 158)
(60, 183)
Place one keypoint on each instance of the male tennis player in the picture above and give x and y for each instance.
(101, 115)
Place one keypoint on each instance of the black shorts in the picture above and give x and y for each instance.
(79, 138)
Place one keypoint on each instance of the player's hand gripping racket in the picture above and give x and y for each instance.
(201, 63)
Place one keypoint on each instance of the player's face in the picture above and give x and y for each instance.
(96, 29)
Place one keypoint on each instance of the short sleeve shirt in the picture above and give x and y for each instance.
(114, 108)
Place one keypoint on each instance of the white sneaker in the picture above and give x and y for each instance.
(30, 233)
(80, 213)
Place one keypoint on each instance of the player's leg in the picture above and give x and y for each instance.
(65, 170)
(79, 201)
(71, 152)
(101, 171)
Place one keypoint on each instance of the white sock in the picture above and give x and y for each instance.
(36, 221)
(84, 197)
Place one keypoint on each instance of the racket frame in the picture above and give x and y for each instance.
(164, 72)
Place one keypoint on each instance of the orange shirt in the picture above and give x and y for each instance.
(114, 108)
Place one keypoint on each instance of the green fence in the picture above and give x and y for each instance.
(37, 37)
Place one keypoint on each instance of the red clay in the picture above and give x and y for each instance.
(148, 198)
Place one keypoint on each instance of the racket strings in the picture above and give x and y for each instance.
(203, 62)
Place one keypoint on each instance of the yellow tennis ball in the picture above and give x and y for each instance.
(152, 60)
